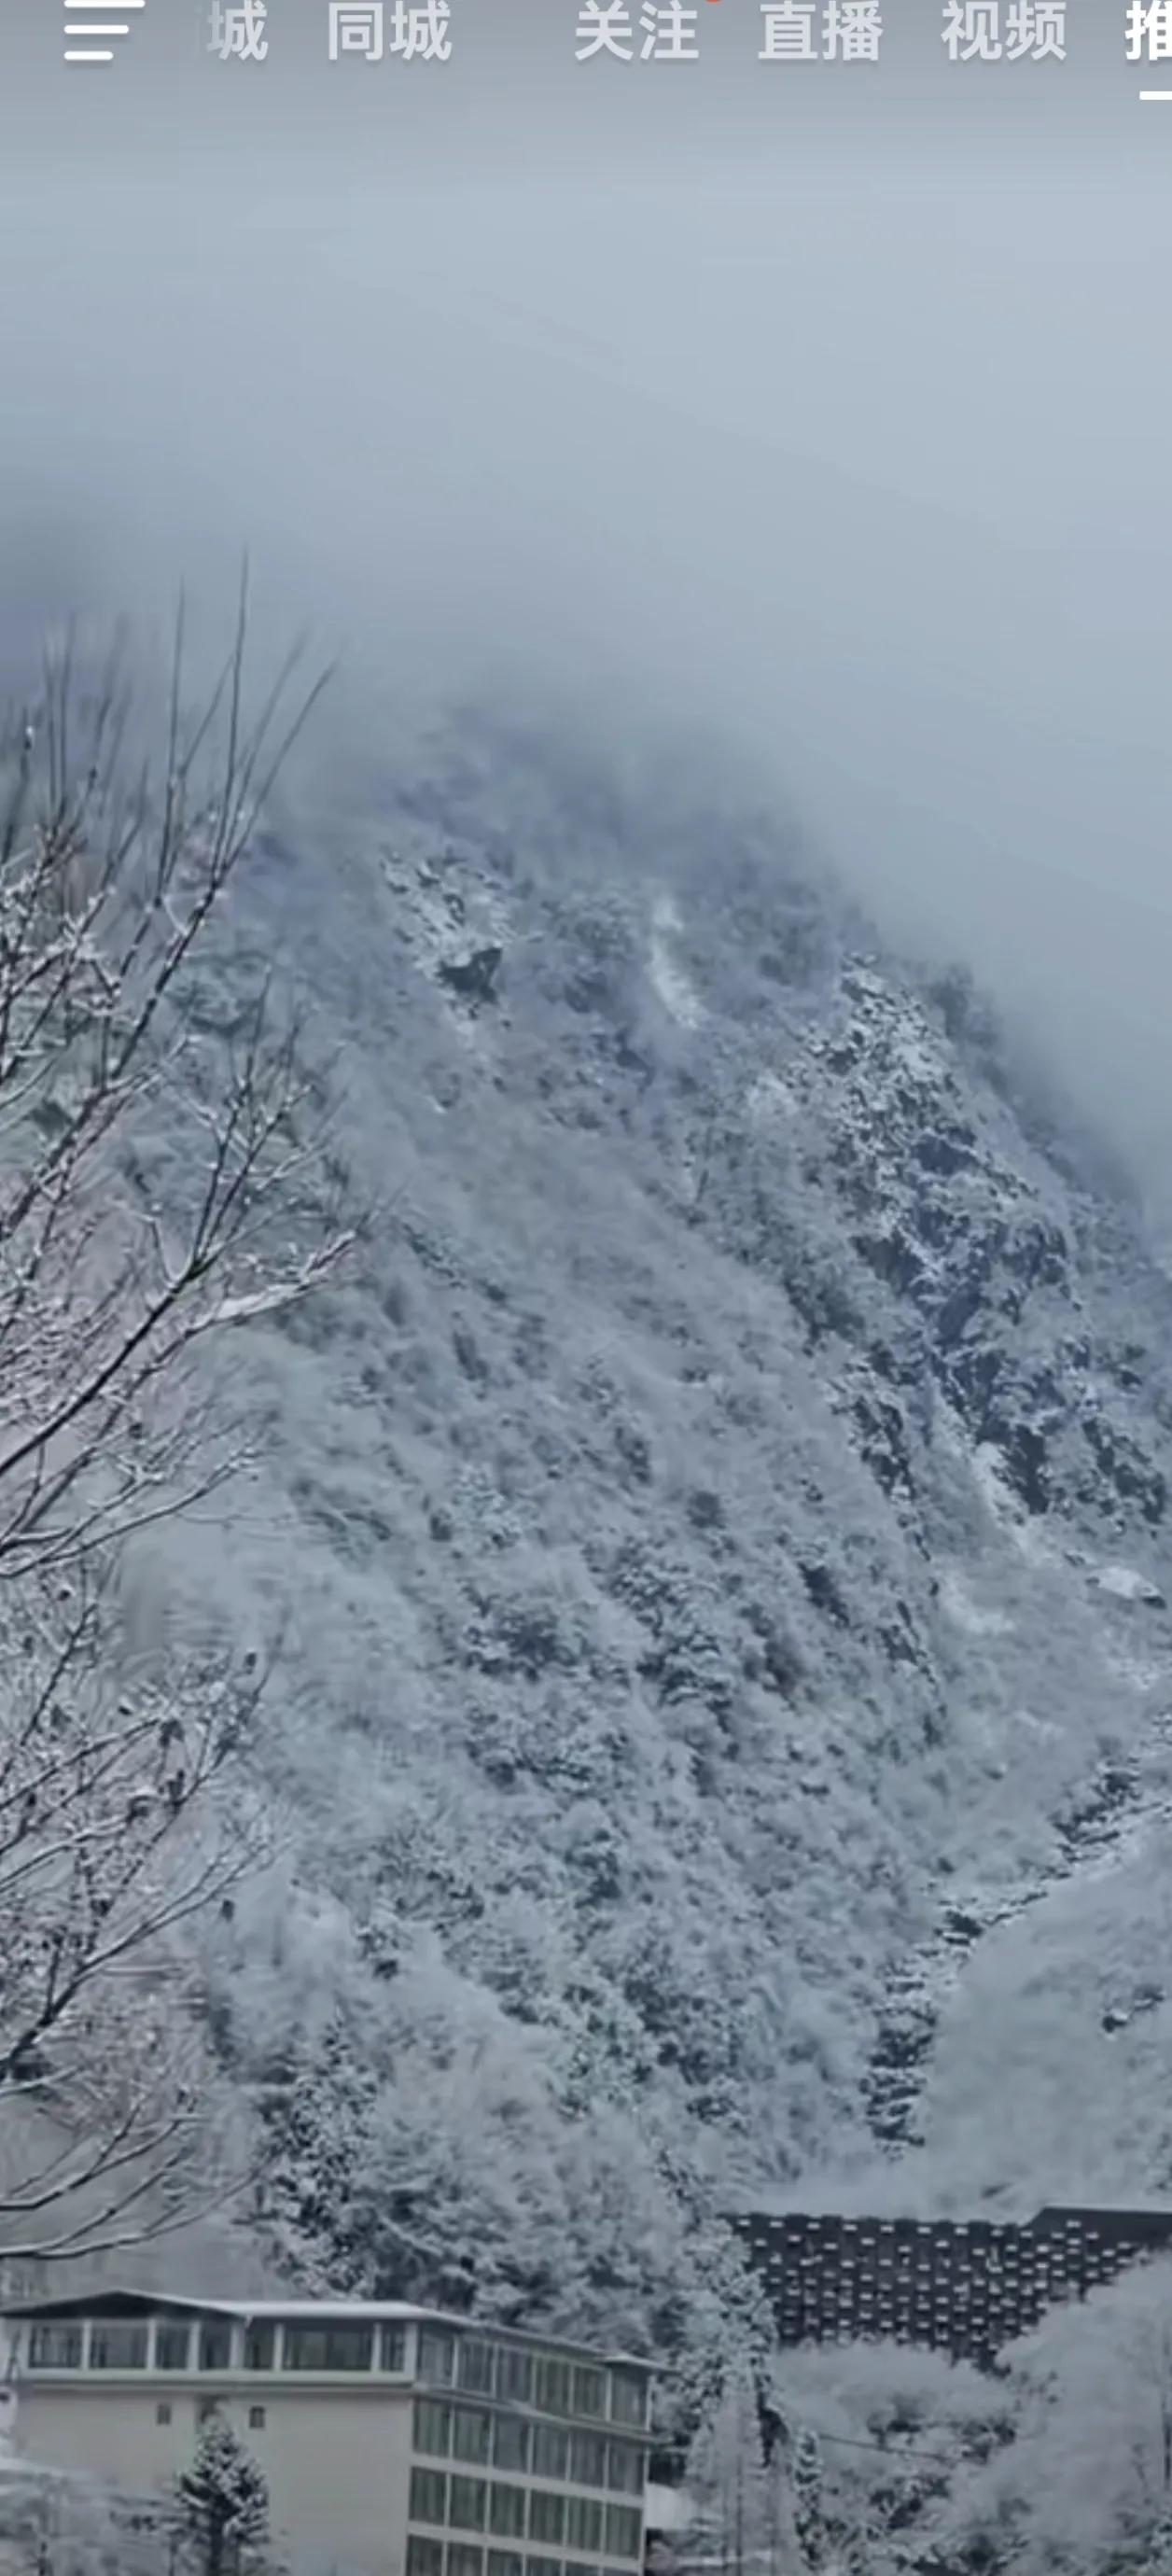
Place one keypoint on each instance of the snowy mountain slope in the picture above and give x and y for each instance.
(718, 1529)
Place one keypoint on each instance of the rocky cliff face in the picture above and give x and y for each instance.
(721, 1534)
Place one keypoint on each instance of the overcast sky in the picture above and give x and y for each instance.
(828, 402)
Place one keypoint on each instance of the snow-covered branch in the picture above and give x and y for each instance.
(159, 1183)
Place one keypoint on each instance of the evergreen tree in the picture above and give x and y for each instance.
(809, 2517)
(734, 2495)
(224, 2502)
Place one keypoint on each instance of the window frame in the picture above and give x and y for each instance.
(481, 2417)
(476, 2494)
(514, 2374)
(467, 2385)
(515, 2528)
(635, 2386)
(70, 2330)
(518, 2428)
(418, 2489)
(135, 2331)
(613, 2549)
(337, 2333)
(547, 2505)
(547, 2432)
(440, 2341)
(441, 2408)
(582, 2477)
(417, 2565)
(633, 2454)
(580, 2506)
(547, 2401)
(463, 2556)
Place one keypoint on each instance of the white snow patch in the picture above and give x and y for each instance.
(1035, 1725)
(989, 1477)
(958, 1605)
(669, 982)
(1142, 1673)
(864, 980)
(770, 1097)
(1124, 1584)
(912, 1053)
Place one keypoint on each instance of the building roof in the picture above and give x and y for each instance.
(1154, 2221)
(111, 2300)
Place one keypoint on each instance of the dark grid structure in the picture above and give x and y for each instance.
(965, 2286)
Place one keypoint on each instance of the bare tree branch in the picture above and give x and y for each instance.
(160, 1184)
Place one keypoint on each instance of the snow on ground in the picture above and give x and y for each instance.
(977, 1619)
(1125, 1584)
(668, 979)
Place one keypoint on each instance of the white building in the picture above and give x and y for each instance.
(396, 2441)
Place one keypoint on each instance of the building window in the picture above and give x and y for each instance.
(329, 2347)
(208, 2409)
(589, 2392)
(504, 2562)
(543, 2567)
(624, 2468)
(163, 2411)
(55, 2348)
(466, 2504)
(547, 2515)
(514, 2374)
(392, 2348)
(583, 2523)
(551, 2451)
(506, 2510)
(437, 2357)
(476, 2365)
(260, 2348)
(624, 2530)
(433, 2427)
(118, 2347)
(429, 2495)
(172, 2346)
(256, 2419)
(463, 2559)
(215, 2347)
(510, 2442)
(424, 2557)
(553, 2384)
(471, 2428)
(588, 2454)
(628, 2397)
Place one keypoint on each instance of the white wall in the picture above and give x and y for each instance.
(338, 2461)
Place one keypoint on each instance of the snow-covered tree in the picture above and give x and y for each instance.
(809, 2511)
(224, 2505)
(1087, 2481)
(156, 1190)
(739, 2501)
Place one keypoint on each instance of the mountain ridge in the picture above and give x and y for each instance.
(719, 1525)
